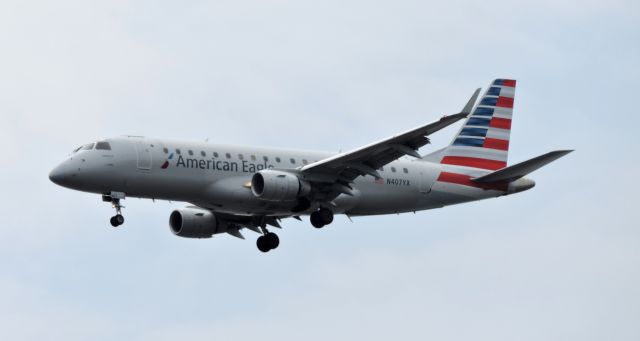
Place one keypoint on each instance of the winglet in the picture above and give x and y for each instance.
(472, 101)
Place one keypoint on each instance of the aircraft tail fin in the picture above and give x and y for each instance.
(517, 171)
(483, 140)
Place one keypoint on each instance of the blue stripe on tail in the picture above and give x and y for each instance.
(469, 142)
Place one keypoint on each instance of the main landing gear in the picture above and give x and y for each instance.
(268, 241)
(114, 198)
(321, 217)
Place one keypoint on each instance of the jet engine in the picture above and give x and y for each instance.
(273, 185)
(192, 222)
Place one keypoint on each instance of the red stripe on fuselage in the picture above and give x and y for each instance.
(502, 123)
(465, 180)
(496, 144)
(454, 178)
(473, 162)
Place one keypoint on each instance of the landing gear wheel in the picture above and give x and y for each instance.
(117, 220)
(326, 216)
(272, 240)
(262, 244)
(316, 220)
(268, 242)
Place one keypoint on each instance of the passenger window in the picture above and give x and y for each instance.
(190, 152)
(253, 157)
(228, 155)
(265, 158)
(178, 151)
(103, 146)
(203, 153)
(240, 156)
(304, 162)
(215, 154)
(277, 159)
(406, 171)
(393, 169)
(293, 161)
(382, 169)
(165, 150)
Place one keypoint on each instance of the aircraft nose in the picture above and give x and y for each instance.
(59, 174)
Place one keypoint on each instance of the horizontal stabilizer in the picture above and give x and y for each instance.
(521, 169)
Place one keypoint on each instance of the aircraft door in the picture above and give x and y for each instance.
(143, 152)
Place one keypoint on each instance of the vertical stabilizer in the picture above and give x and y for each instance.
(483, 141)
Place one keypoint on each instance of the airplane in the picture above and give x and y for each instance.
(230, 188)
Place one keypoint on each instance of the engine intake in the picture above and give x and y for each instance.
(193, 223)
(273, 185)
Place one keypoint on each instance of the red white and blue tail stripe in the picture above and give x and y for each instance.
(483, 141)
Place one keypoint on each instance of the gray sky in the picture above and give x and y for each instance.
(559, 262)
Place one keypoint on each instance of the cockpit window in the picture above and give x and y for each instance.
(103, 145)
(87, 146)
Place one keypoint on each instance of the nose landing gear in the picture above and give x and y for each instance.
(114, 198)
(117, 220)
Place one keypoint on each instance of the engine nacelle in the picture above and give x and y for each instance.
(193, 223)
(273, 185)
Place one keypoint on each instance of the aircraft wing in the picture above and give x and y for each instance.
(345, 167)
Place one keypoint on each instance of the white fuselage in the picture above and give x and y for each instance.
(218, 177)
